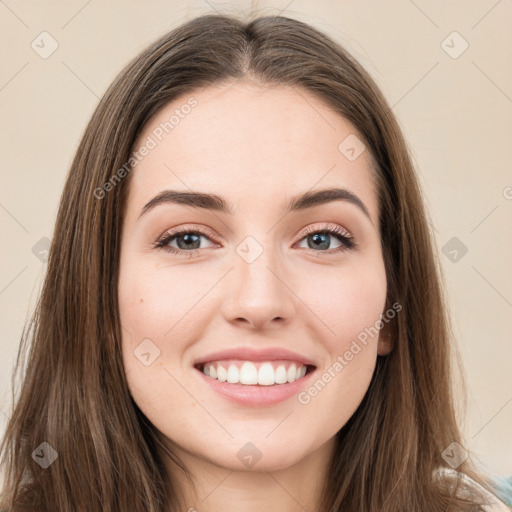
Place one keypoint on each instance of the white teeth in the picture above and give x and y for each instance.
(280, 375)
(233, 374)
(248, 374)
(266, 375)
(222, 374)
(291, 373)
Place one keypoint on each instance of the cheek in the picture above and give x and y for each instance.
(160, 314)
(348, 303)
(153, 307)
(154, 301)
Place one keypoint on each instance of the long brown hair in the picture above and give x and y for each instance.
(74, 395)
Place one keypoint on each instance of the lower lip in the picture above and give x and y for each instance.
(255, 395)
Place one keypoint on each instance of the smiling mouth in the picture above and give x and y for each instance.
(249, 373)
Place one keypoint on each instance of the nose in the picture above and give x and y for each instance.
(258, 294)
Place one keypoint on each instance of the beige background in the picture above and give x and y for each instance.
(456, 114)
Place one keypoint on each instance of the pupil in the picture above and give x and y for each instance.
(324, 244)
(188, 241)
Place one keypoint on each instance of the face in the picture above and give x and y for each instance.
(275, 287)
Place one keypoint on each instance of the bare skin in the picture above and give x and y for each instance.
(256, 147)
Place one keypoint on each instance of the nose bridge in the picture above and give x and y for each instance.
(258, 292)
(257, 264)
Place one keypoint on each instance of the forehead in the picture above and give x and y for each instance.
(253, 145)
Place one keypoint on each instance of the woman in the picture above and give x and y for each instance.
(242, 308)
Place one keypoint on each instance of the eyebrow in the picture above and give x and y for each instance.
(218, 204)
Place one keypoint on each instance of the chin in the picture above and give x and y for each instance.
(256, 454)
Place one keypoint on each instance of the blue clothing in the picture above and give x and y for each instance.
(503, 488)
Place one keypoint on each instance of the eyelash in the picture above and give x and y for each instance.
(342, 235)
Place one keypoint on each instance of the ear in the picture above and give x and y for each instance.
(385, 342)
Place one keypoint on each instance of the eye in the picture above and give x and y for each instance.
(188, 241)
(319, 239)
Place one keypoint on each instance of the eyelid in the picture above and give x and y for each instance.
(325, 226)
(195, 228)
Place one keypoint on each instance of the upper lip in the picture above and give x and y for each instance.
(253, 354)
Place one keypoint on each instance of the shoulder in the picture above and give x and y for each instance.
(471, 488)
